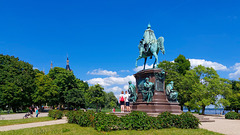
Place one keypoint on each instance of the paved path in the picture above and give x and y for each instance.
(30, 125)
(20, 116)
(222, 125)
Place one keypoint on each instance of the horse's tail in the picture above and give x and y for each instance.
(160, 42)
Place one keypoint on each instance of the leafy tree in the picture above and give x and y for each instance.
(96, 96)
(168, 66)
(45, 89)
(185, 88)
(16, 82)
(234, 97)
(111, 101)
(65, 80)
(182, 83)
(210, 85)
(182, 64)
(71, 91)
(75, 98)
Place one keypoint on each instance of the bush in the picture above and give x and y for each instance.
(232, 115)
(186, 121)
(65, 112)
(134, 121)
(55, 114)
(85, 119)
(106, 122)
(168, 119)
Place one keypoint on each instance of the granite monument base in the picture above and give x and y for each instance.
(159, 102)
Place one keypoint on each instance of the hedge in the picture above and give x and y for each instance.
(55, 114)
(134, 121)
(232, 115)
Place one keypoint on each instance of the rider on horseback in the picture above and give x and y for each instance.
(149, 46)
(149, 38)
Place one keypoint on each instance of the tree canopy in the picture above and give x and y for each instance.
(16, 82)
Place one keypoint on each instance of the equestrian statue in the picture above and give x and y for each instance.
(149, 46)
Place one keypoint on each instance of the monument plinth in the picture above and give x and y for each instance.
(159, 101)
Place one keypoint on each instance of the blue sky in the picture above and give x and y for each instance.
(101, 37)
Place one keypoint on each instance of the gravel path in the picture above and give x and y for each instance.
(222, 125)
(20, 116)
(30, 125)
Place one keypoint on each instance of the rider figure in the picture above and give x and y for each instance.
(148, 38)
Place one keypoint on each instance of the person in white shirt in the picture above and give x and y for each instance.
(121, 101)
(127, 101)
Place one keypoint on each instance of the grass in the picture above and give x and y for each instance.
(107, 110)
(110, 110)
(5, 112)
(23, 121)
(70, 129)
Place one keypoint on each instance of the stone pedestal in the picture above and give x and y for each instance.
(159, 102)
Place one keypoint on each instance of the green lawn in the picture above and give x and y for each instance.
(110, 110)
(70, 129)
(23, 121)
(11, 112)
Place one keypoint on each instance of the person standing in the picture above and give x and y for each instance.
(37, 112)
(31, 112)
(127, 101)
(121, 101)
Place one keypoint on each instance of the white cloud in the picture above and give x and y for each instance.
(115, 89)
(102, 72)
(215, 65)
(141, 67)
(109, 81)
(35, 68)
(124, 71)
(236, 74)
(125, 87)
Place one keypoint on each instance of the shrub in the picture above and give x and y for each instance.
(106, 122)
(55, 114)
(65, 112)
(187, 120)
(85, 119)
(232, 115)
(168, 119)
(136, 120)
(71, 115)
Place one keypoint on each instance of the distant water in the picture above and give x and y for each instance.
(212, 111)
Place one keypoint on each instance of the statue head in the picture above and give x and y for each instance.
(147, 79)
(130, 82)
(149, 26)
(171, 82)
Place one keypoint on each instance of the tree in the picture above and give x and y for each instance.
(182, 83)
(16, 82)
(75, 98)
(168, 66)
(185, 88)
(206, 90)
(111, 101)
(45, 90)
(182, 64)
(234, 97)
(65, 80)
(96, 96)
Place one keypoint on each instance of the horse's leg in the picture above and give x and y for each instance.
(145, 63)
(154, 63)
(156, 59)
(139, 57)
